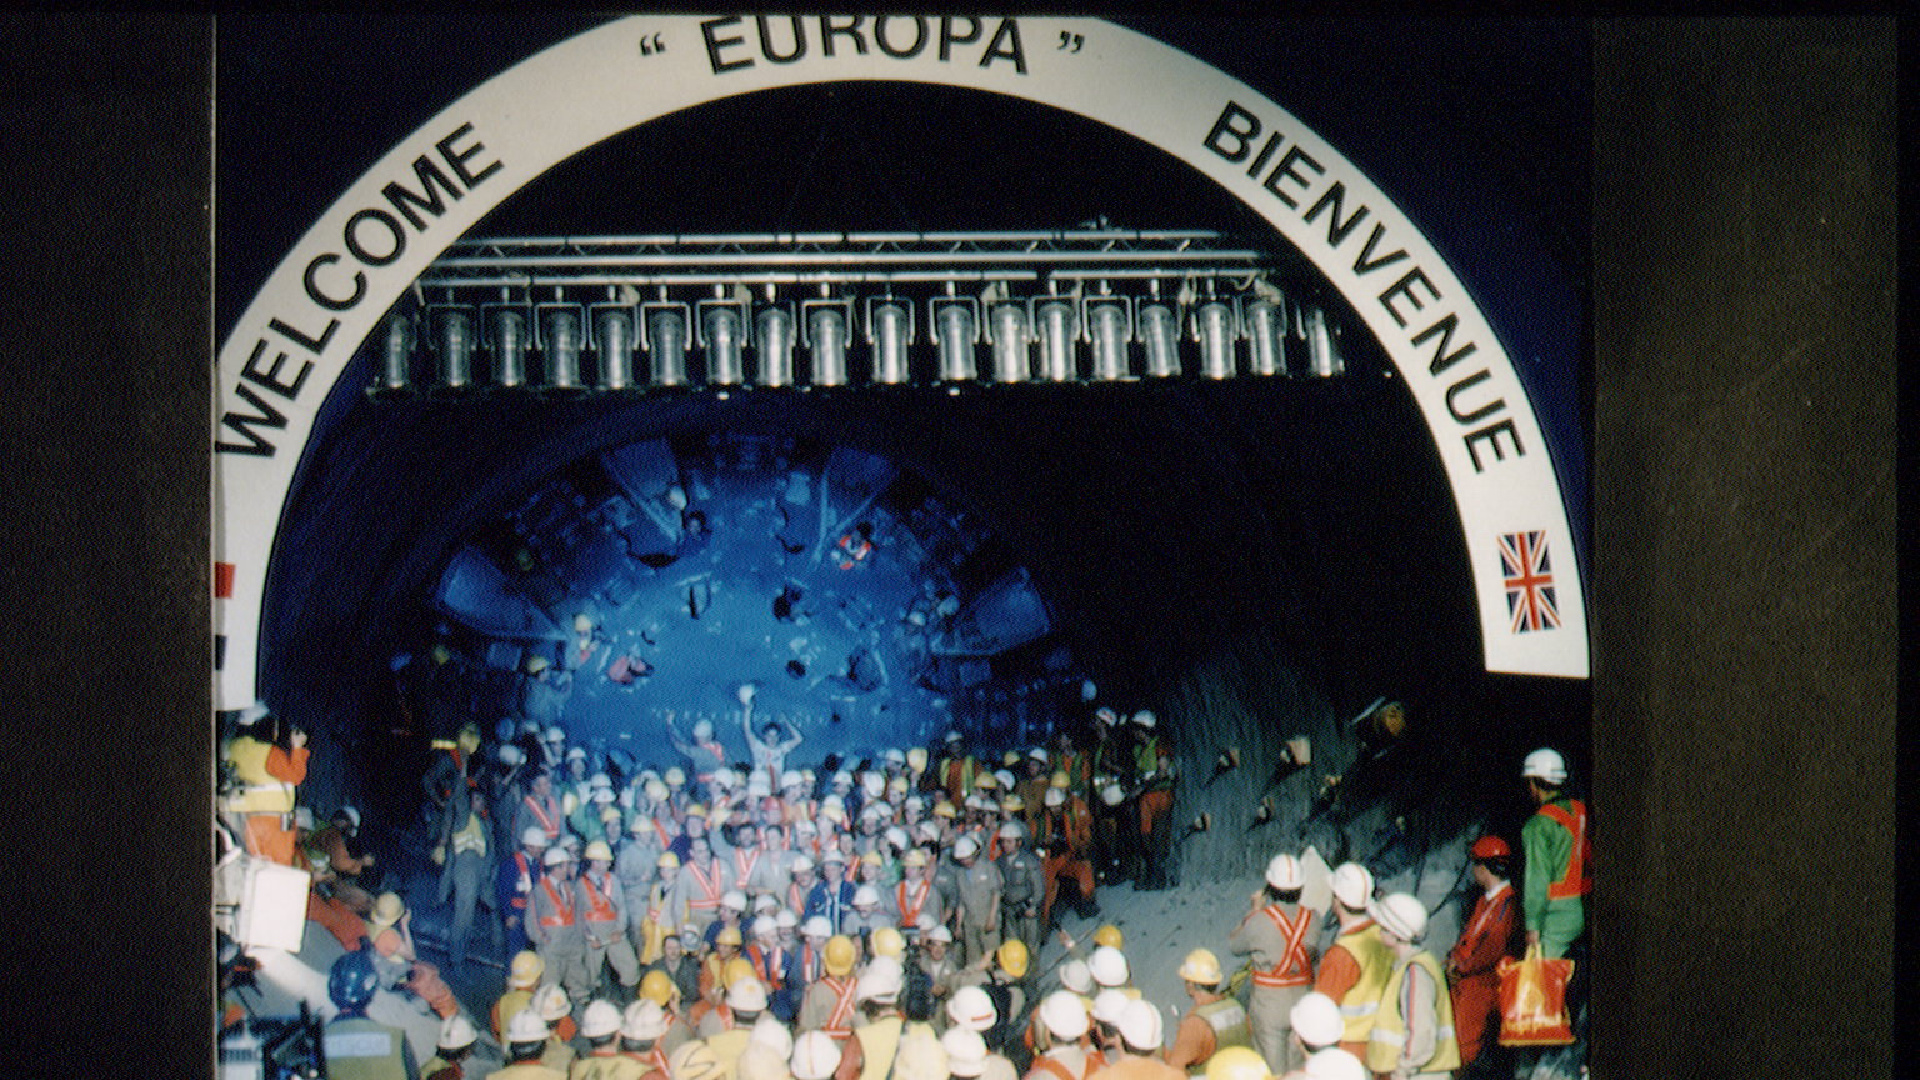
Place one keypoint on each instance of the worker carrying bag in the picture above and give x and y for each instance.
(1533, 1001)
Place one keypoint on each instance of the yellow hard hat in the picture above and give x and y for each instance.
(1237, 1063)
(667, 860)
(1013, 958)
(1012, 804)
(526, 969)
(729, 935)
(916, 758)
(986, 781)
(839, 955)
(599, 850)
(582, 623)
(871, 858)
(657, 987)
(944, 809)
(1060, 780)
(1011, 757)
(388, 909)
(736, 969)
(694, 1060)
(536, 664)
(887, 941)
(1109, 935)
(1201, 966)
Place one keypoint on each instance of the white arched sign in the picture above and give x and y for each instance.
(294, 341)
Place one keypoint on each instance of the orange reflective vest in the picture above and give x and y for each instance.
(562, 909)
(1293, 968)
(1577, 879)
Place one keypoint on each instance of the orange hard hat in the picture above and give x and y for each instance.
(1490, 847)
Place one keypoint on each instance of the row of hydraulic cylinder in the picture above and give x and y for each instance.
(1282, 339)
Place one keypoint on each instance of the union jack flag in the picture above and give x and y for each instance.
(1529, 580)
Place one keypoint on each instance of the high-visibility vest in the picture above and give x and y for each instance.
(262, 792)
(1293, 968)
(600, 908)
(839, 1023)
(1576, 880)
(1362, 1002)
(769, 964)
(879, 1042)
(549, 821)
(744, 870)
(708, 884)
(1228, 1019)
(1389, 1034)
(910, 906)
(562, 909)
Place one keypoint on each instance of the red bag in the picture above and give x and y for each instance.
(1533, 1001)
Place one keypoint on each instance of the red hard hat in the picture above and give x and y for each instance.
(1490, 847)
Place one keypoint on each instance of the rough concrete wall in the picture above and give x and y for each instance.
(1744, 636)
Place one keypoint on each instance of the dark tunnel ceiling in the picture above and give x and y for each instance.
(1155, 522)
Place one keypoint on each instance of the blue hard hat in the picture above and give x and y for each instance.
(352, 981)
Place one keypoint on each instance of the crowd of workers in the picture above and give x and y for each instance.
(712, 922)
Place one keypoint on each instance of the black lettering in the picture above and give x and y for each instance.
(829, 29)
(1229, 123)
(1285, 171)
(1491, 436)
(1479, 414)
(1266, 151)
(457, 159)
(1404, 287)
(270, 378)
(403, 199)
(919, 37)
(1441, 359)
(1007, 34)
(255, 446)
(359, 250)
(1337, 230)
(332, 303)
(715, 44)
(948, 39)
(766, 40)
(1362, 264)
(312, 344)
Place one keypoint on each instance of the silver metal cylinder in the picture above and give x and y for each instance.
(563, 349)
(396, 363)
(510, 348)
(614, 342)
(773, 342)
(1012, 344)
(1323, 353)
(890, 330)
(667, 346)
(723, 346)
(1266, 337)
(1056, 340)
(955, 324)
(1160, 335)
(1109, 333)
(1216, 339)
(827, 335)
(456, 348)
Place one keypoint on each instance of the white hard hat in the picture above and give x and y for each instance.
(940, 933)
(351, 813)
(764, 925)
(866, 894)
(800, 863)
(874, 784)
(747, 995)
(815, 1056)
(599, 779)
(1145, 718)
(1064, 1015)
(881, 981)
(791, 778)
(768, 1031)
(972, 1009)
(533, 836)
(1400, 914)
(1352, 885)
(1140, 1024)
(966, 1051)
(1283, 872)
(760, 1061)
(1108, 1005)
(510, 755)
(965, 848)
(759, 787)
(817, 926)
(1013, 830)
(1334, 1063)
(556, 855)
(600, 1018)
(921, 1057)
(702, 729)
(456, 1031)
(1006, 778)
(1075, 976)
(1316, 1019)
(1545, 764)
(1054, 796)
(733, 900)
(526, 1027)
(577, 754)
(1108, 965)
(1038, 753)
(551, 1003)
(893, 755)
(843, 777)
(1112, 795)
(785, 920)
(555, 734)
(645, 1020)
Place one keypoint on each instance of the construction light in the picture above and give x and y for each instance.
(455, 327)
(773, 344)
(956, 322)
(1055, 317)
(889, 330)
(825, 328)
(559, 327)
(1159, 334)
(722, 330)
(1109, 326)
(1007, 330)
(665, 341)
(613, 340)
(1323, 352)
(507, 327)
(1266, 331)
